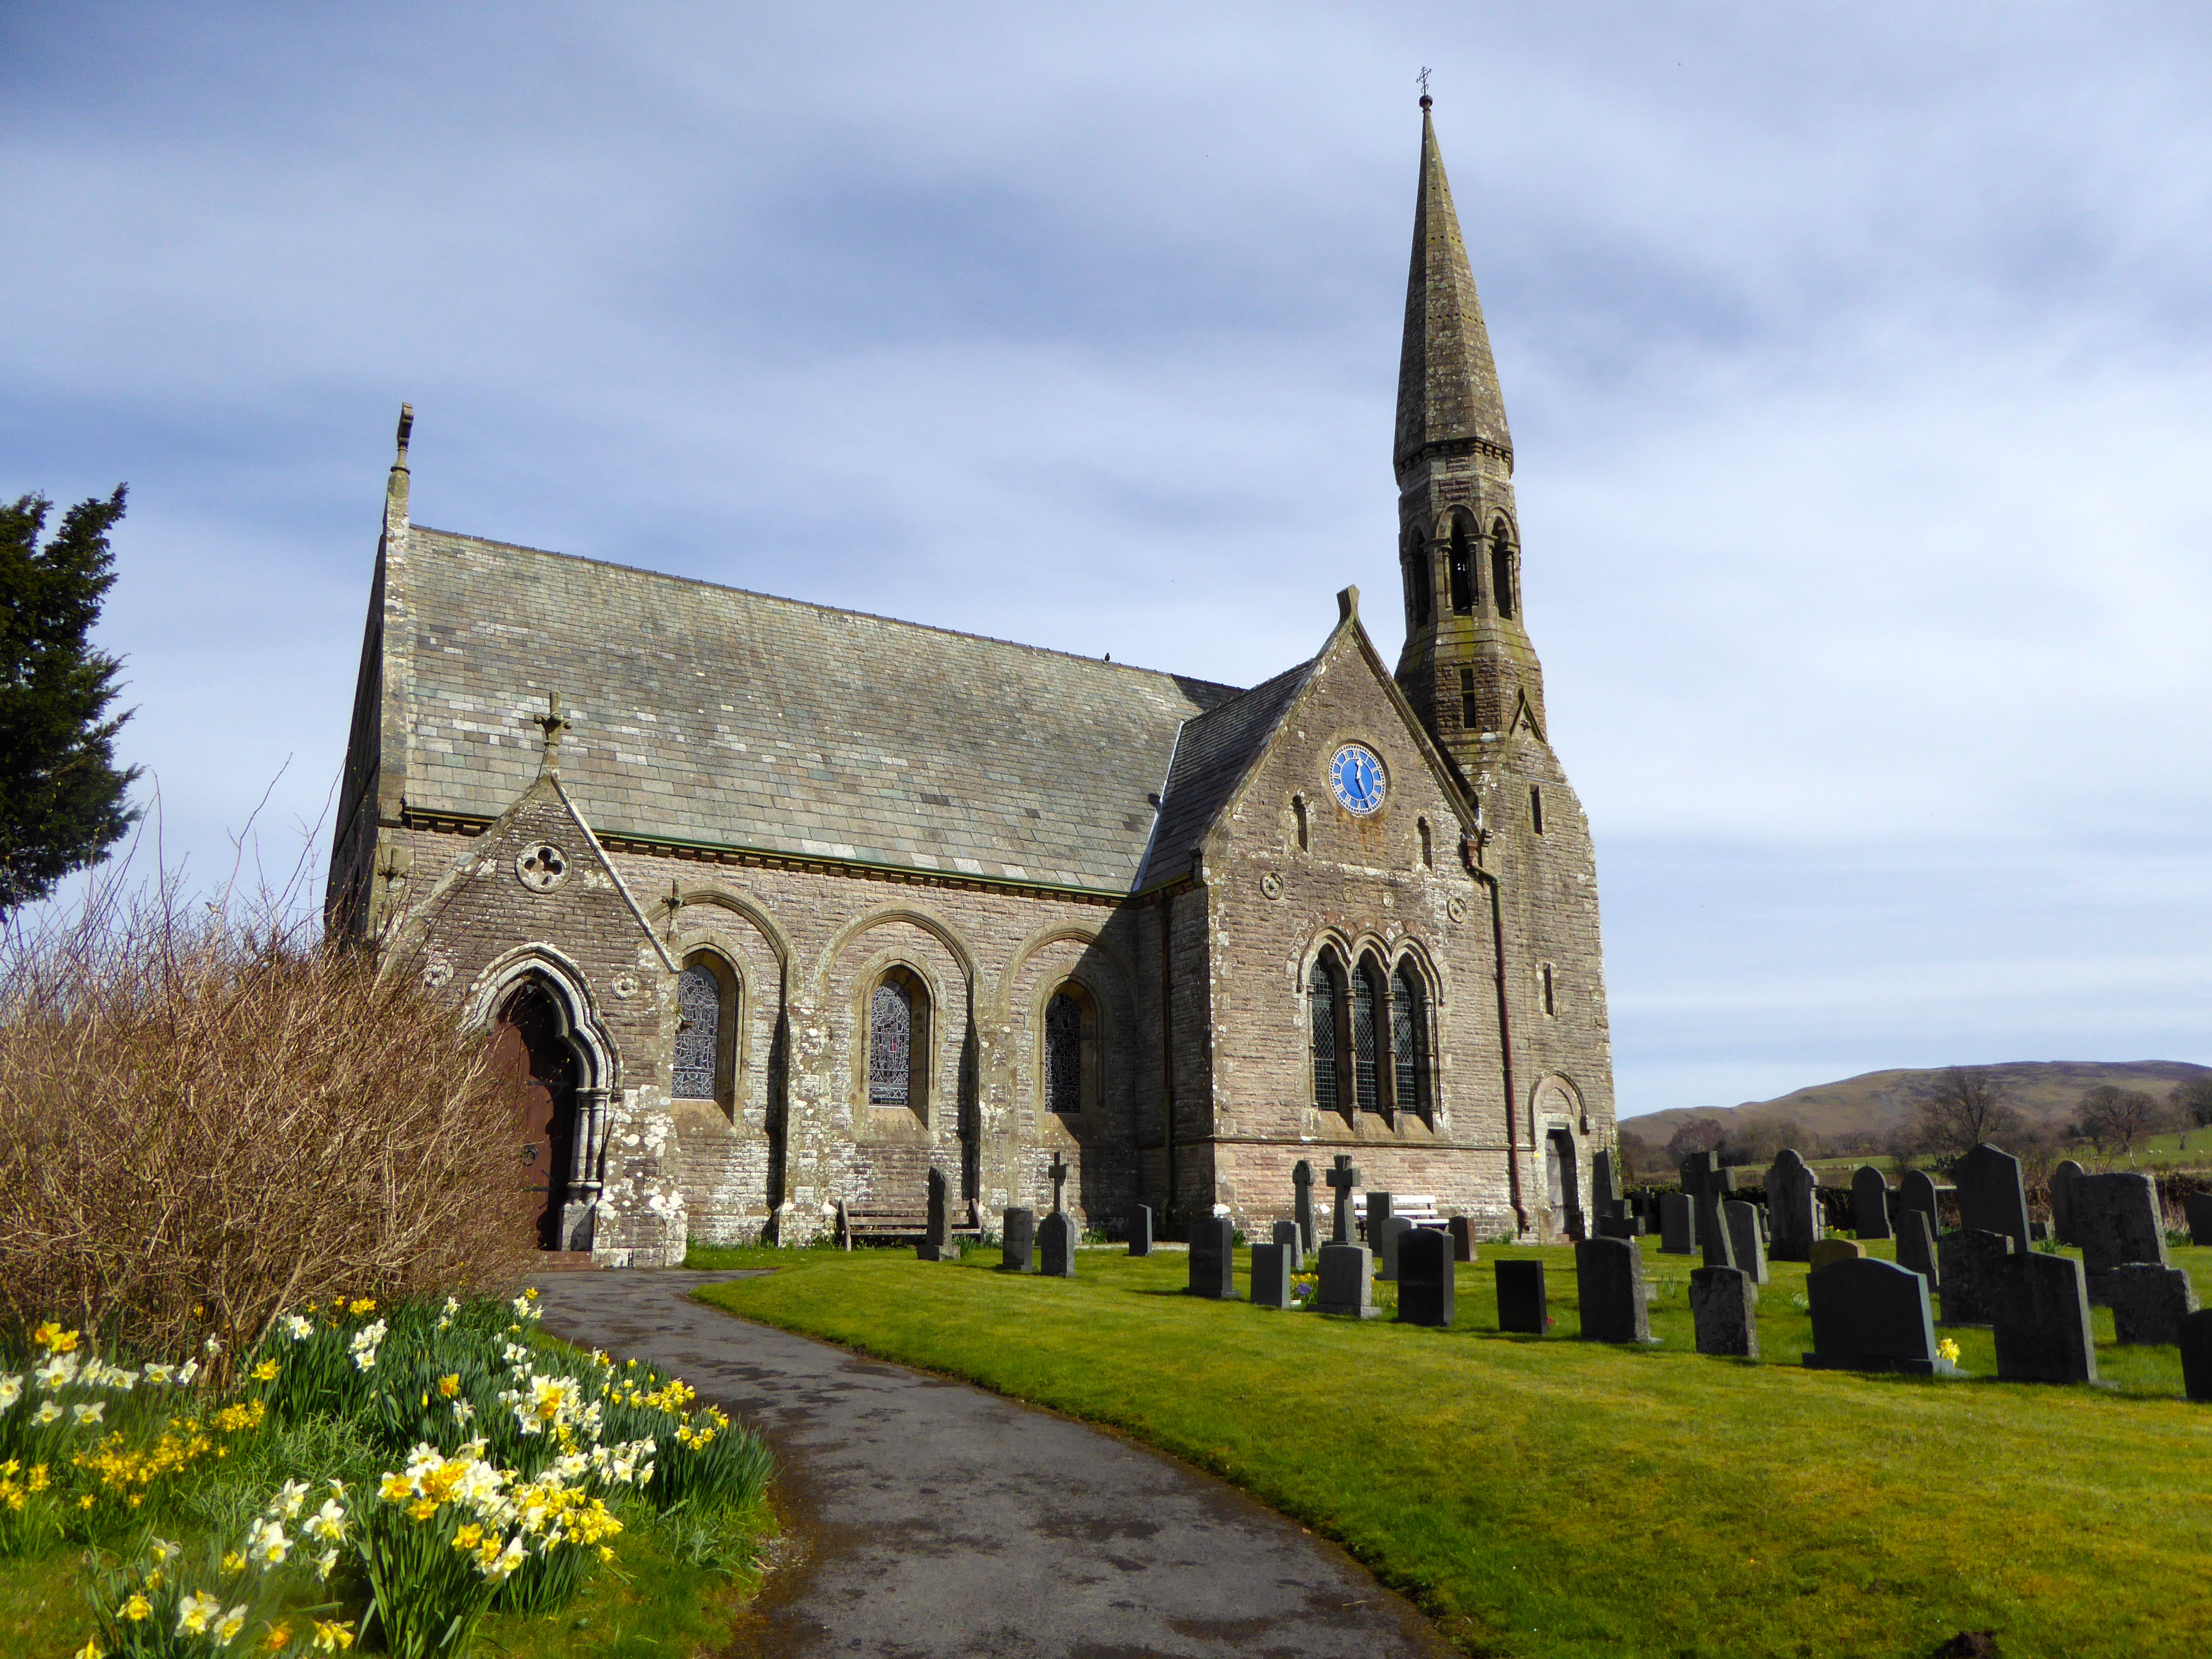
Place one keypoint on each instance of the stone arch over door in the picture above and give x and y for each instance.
(1555, 1116)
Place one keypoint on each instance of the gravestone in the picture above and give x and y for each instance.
(1609, 1273)
(2196, 1356)
(1056, 1245)
(1872, 1316)
(1140, 1231)
(1792, 1208)
(2198, 1208)
(1990, 1197)
(1425, 1277)
(1271, 1271)
(1347, 1283)
(2041, 1311)
(1017, 1240)
(1969, 1265)
(1677, 1230)
(1341, 1180)
(2115, 1220)
(1213, 1258)
(1915, 1190)
(1521, 1298)
(1301, 1205)
(1378, 1219)
(1395, 1228)
(1713, 1230)
(1827, 1251)
(2061, 1198)
(1720, 1303)
(936, 1243)
(1915, 1246)
(1286, 1234)
(1869, 1202)
(2148, 1302)
(1463, 1239)
(1605, 1189)
(1745, 1239)
(1698, 1171)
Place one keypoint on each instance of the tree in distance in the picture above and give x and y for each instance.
(1967, 1107)
(2191, 1101)
(1697, 1134)
(61, 795)
(2117, 1117)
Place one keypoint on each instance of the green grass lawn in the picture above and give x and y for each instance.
(1540, 1496)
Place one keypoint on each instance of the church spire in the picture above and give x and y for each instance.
(1447, 383)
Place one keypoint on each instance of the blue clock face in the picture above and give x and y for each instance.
(1355, 777)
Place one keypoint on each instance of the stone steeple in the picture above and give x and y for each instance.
(1447, 382)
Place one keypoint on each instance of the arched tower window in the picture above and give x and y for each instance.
(1367, 1001)
(705, 1049)
(1420, 596)
(1428, 845)
(1063, 1053)
(898, 1024)
(1501, 567)
(1320, 1003)
(1409, 1040)
(1463, 565)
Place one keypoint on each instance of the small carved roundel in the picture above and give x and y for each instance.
(1455, 907)
(542, 868)
(438, 973)
(1272, 885)
(624, 986)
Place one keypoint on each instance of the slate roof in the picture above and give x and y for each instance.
(710, 714)
(1212, 757)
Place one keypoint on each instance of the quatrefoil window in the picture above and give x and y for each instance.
(542, 868)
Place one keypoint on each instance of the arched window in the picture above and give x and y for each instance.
(1321, 1001)
(703, 1045)
(1501, 567)
(1367, 1001)
(1462, 566)
(1428, 845)
(1409, 1040)
(1419, 596)
(890, 1044)
(1063, 1053)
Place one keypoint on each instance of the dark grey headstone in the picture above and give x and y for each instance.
(1722, 1302)
(1395, 1228)
(1345, 1283)
(1625, 1226)
(1378, 1216)
(2196, 1356)
(1342, 1178)
(1301, 1205)
(1872, 1316)
(2062, 1178)
(1425, 1277)
(1969, 1266)
(1056, 1239)
(1746, 1242)
(1869, 1202)
(1677, 1230)
(2041, 1311)
(1270, 1272)
(1712, 1229)
(2197, 1206)
(1213, 1258)
(1462, 1239)
(1609, 1273)
(1792, 1208)
(936, 1243)
(1520, 1296)
(1698, 1175)
(1915, 1190)
(1140, 1231)
(1017, 1240)
(1286, 1234)
(2148, 1302)
(1915, 1246)
(1605, 1187)
(1991, 1199)
(2115, 1219)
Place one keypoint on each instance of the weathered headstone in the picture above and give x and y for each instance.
(1712, 1229)
(1827, 1251)
(1698, 1171)
(1017, 1240)
(1213, 1258)
(1609, 1274)
(1872, 1316)
(1462, 1239)
(1378, 1218)
(1271, 1271)
(1677, 1230)
(1746, 1242)
(1341, 1180)
(1605, 1189)
(2148, 1302)
(1915, 1190)
(1425, 1277)
(936, 1243)
(1520, 1296)
(1969, 1265)
(1395, 1228)
(1056, 1245)
(1721, 1300)
(2115, 1220)
(2041, 1311)
(1301, 1205)
(1286, 1234)
(2196, 1356)
(1346, 1284)
(1915, 1246)
(1792, 1208)
(2197, 1206)
(1991, 1199)
(1869, 1202)
(2062, 1178)
(1140, 1231)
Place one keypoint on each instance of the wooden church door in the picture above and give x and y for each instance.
(528, 1046)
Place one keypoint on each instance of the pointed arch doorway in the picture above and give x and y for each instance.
(530, 1046)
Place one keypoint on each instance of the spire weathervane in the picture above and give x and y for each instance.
(1423, 77)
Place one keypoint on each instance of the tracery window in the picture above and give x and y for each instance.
(1321, 999)
(1366, 997)
(699, 1068)
(1409, 1039)
(891, 1045)
(1063, 1053)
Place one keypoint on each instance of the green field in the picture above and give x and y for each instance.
(1547, 1497)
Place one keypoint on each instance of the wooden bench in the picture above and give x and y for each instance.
(892, 1221)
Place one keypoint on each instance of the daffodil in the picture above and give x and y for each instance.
(52, 1338)
(331, 1636)
(226, 1631)
(194, 1611)
(289, 1498)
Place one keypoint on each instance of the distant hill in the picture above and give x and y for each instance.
(2046, 1089)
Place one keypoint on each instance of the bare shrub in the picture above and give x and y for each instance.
(205, 1121)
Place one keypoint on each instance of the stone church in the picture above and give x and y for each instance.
(776, 907)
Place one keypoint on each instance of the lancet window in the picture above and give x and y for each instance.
(891, 1045)
(702, 1071)
(1367, 1001)
(1321, 1004)
(1063, 1053)
(1409, 1040)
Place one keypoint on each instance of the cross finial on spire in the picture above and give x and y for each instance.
(1423, 77)
(406, 431)
(551, 723)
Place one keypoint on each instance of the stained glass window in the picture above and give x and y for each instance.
(1063, 1054)
(699, 1037)
(891, 1045)
(1321, 994)
(1409, 1039)
(1366, 994)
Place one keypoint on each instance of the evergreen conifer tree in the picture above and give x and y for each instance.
(62, 798)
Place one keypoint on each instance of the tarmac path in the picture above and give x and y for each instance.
(935, 1518)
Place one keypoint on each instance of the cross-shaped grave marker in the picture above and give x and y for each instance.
(1343, 1178)
(1059, 1173)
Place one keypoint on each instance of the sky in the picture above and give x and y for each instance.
(1856, 359)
